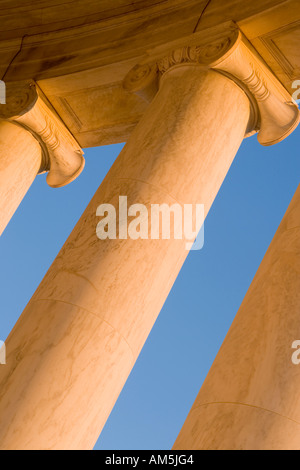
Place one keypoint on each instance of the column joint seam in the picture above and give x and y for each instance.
(91, 313)
(247, 405)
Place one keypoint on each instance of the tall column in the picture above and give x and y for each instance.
(20, 162)
(32, 140)
(250, 398)
(75, 344)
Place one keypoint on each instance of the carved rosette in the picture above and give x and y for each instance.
(19, 100)
(274, 115)
(62, 157)
(143, 80)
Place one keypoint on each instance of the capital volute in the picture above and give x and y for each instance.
(274, 114)
(62, 156)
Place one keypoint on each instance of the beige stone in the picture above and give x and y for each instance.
(274, 115)
(250, 398)
(76, 342)
(20, 162)
(62, 156)
(32, 139)
(79, 52)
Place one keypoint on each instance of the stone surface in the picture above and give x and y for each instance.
(79, 52)
(20, 162)
(75, 344)
(62, 156)
(33, 139)
(250, 398)
(274, 115)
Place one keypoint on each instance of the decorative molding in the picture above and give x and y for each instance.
(143, 80)
(274, 113)
(279, 114)
(200, 54)
(62, 157)
(280, 54)
(184, 55)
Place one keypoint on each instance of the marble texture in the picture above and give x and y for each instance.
(33, 139)
(250, 398)
(20, 161)
(79, 51)
(62, 156)
(274, 114)
(75, 344)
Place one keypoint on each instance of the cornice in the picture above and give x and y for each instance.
(62, 157)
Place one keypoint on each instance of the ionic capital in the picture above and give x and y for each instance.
(62, 156)
(274, 113)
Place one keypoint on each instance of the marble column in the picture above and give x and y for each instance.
(20, 162)
(32, 140)
(75, 344)
(250, 398)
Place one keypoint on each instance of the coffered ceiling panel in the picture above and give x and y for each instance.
(276, 36)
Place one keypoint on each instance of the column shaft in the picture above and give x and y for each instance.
(20, 161)
(75, 344)
(250, 398)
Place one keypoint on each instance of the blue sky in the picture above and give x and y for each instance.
(203, 301)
